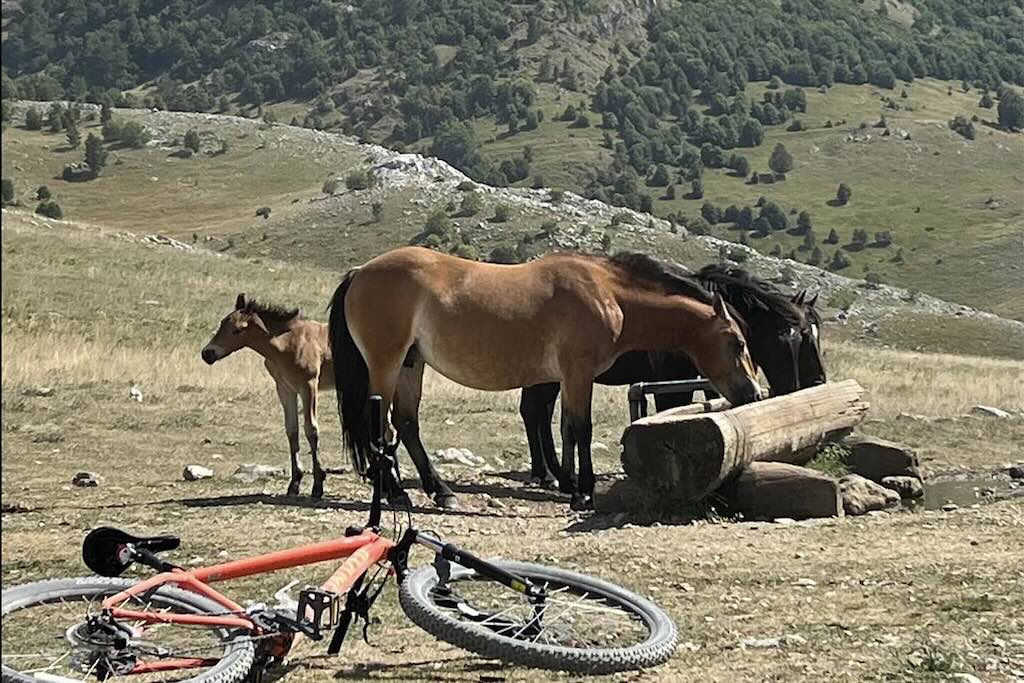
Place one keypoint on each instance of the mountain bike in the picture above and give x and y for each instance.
(174, 625)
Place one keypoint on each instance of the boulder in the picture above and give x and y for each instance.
(252, 472)
(772, 490)
(907, 487)
(1015, 471)
(989, 411)
(875, 459)
(196, 472)
(862, 495)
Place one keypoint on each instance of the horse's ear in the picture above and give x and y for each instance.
(799, 298)
(813, 300)
(256, 320)
(719, 305)
(240, 302)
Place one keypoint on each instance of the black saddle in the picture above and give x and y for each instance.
(109, 551)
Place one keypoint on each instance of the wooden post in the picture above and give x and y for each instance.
(688, 456)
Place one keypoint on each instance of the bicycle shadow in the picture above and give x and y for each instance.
(472, 669)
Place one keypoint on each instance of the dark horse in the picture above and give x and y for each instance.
(782, 332)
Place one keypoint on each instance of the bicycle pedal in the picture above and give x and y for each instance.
(319, 608)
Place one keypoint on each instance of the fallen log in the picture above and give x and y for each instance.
(688, 456)
(769, 490)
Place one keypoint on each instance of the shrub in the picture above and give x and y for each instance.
(330, 186)
(501, 213)
(698, 226)
(960, 124)
(803, 222)
(95, 154)
(467, 251)
(471, 204)
(781, 161)
(843, 194)
(556, 195)
(833, 237)
(796, 126)
(860, 236)
(549, 227)
(697, 189)
(376, 210)
(883, 238)
(359, 179)
(711, 213)
(621, 217)
(670, 192)
(986, 101)
(192, 143)
(839, 261)
(466, 186)
(50, 208)
(43, 192)
(503, 253)
(581, 122)
(33, 119)
(438, 224)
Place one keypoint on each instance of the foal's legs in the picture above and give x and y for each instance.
(309, 397)
(289, 402)
(536, 407)
(406, 419)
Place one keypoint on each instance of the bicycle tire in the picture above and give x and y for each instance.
(415, 599)
(231, 667)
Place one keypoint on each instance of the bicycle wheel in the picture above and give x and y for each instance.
(53, 632)
(585, 625)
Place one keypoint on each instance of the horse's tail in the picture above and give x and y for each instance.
(351, 378)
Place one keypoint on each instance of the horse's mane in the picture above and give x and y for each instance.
(745, 290)
(270, 313)
(675, 278)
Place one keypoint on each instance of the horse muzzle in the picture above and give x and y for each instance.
(210, 355)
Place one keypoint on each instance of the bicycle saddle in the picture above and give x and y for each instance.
(105, 549)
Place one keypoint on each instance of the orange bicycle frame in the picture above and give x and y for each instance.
(361, 552)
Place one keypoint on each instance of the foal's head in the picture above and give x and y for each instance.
(241, 327)
(811, 366)
(723, 357)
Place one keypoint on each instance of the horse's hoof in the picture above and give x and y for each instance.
(567, 487)
(293, 489)
(549, 484)
(446, 501)
(581, 501)
(318, 491)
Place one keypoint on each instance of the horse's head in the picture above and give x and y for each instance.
(239, 328)
(724, 359)
(810, 364)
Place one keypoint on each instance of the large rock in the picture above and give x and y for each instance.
(769, 490)
(862, 495)
(907, 487)
(875, 459)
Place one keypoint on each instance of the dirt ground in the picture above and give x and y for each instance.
(909, 596)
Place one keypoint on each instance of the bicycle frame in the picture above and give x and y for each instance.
(362, 552)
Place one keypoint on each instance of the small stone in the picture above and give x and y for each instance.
(598, 447)
(907, 487)
(793, 639)
(252, 472)
(85, 480)
(964, 678)
(989, 411)
(950, 507)
(785, 521)
(196, 472)
(805, 583)
(41, 392)
(760, 643)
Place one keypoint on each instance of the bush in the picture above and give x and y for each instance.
(359, 179)
(833, 237)
(501, 213)
(843, 194)
(50, 208)
(376, 210)
(503, 253)
(471, 204)
(467, 251)
(796, 126)
(883, 238)
(698, 226)
(43, 192)
(556, 195)
(711, 213)
(330, 186)
(7, 190)
(986, 101)
(621, 217)
(839, 261)
(192, 143)
(697, 189)
(549, 227)
(95, 154)
(438, 224)
(781, 161)
(860, 236)
(33, 119)
(581, 122)
(960, 124)
(466, 186)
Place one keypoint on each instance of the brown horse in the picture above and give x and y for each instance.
(296, 354)
(562, 318)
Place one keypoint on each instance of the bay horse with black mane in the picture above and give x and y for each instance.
(782, 333)
(561, 318)
(297, 356)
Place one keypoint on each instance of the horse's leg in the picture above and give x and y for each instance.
(289, 402)
(406, 418)
(384, 372)
(577, 392)
(309, 398)
(536, 406)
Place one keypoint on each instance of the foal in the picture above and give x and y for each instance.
(296, 354)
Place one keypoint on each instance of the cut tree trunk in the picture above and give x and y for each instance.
(769, 490)
(688, 456)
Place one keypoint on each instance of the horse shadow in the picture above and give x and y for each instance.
(310, 503)
(521, 491)
(619, 501)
